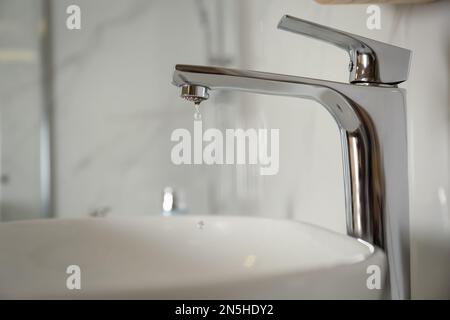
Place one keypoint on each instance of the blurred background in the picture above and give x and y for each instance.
(86, 115)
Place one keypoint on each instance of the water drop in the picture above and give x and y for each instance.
(197, 114)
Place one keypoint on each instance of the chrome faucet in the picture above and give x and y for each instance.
(371, 115)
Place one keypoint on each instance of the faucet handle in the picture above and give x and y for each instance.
(370, 61)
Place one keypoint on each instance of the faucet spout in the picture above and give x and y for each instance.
(358, 139)
(373, 150)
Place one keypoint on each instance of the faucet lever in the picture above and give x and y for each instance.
(370, 61)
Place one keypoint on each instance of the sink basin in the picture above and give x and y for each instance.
(184, 257)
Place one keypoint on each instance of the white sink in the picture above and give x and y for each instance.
(184, 257)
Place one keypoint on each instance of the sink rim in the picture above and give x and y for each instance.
(370, 252)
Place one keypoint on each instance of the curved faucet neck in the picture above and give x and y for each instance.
(368, 154)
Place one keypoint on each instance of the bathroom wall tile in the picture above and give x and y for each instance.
(116, 109)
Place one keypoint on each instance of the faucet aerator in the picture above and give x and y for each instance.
(194, 93)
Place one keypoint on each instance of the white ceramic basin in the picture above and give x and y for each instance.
(183, 257)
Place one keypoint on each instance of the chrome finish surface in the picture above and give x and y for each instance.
(370, 61)
(194, 93)
(372, 123)
(358, 139)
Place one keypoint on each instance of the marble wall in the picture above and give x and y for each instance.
(115, 108)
